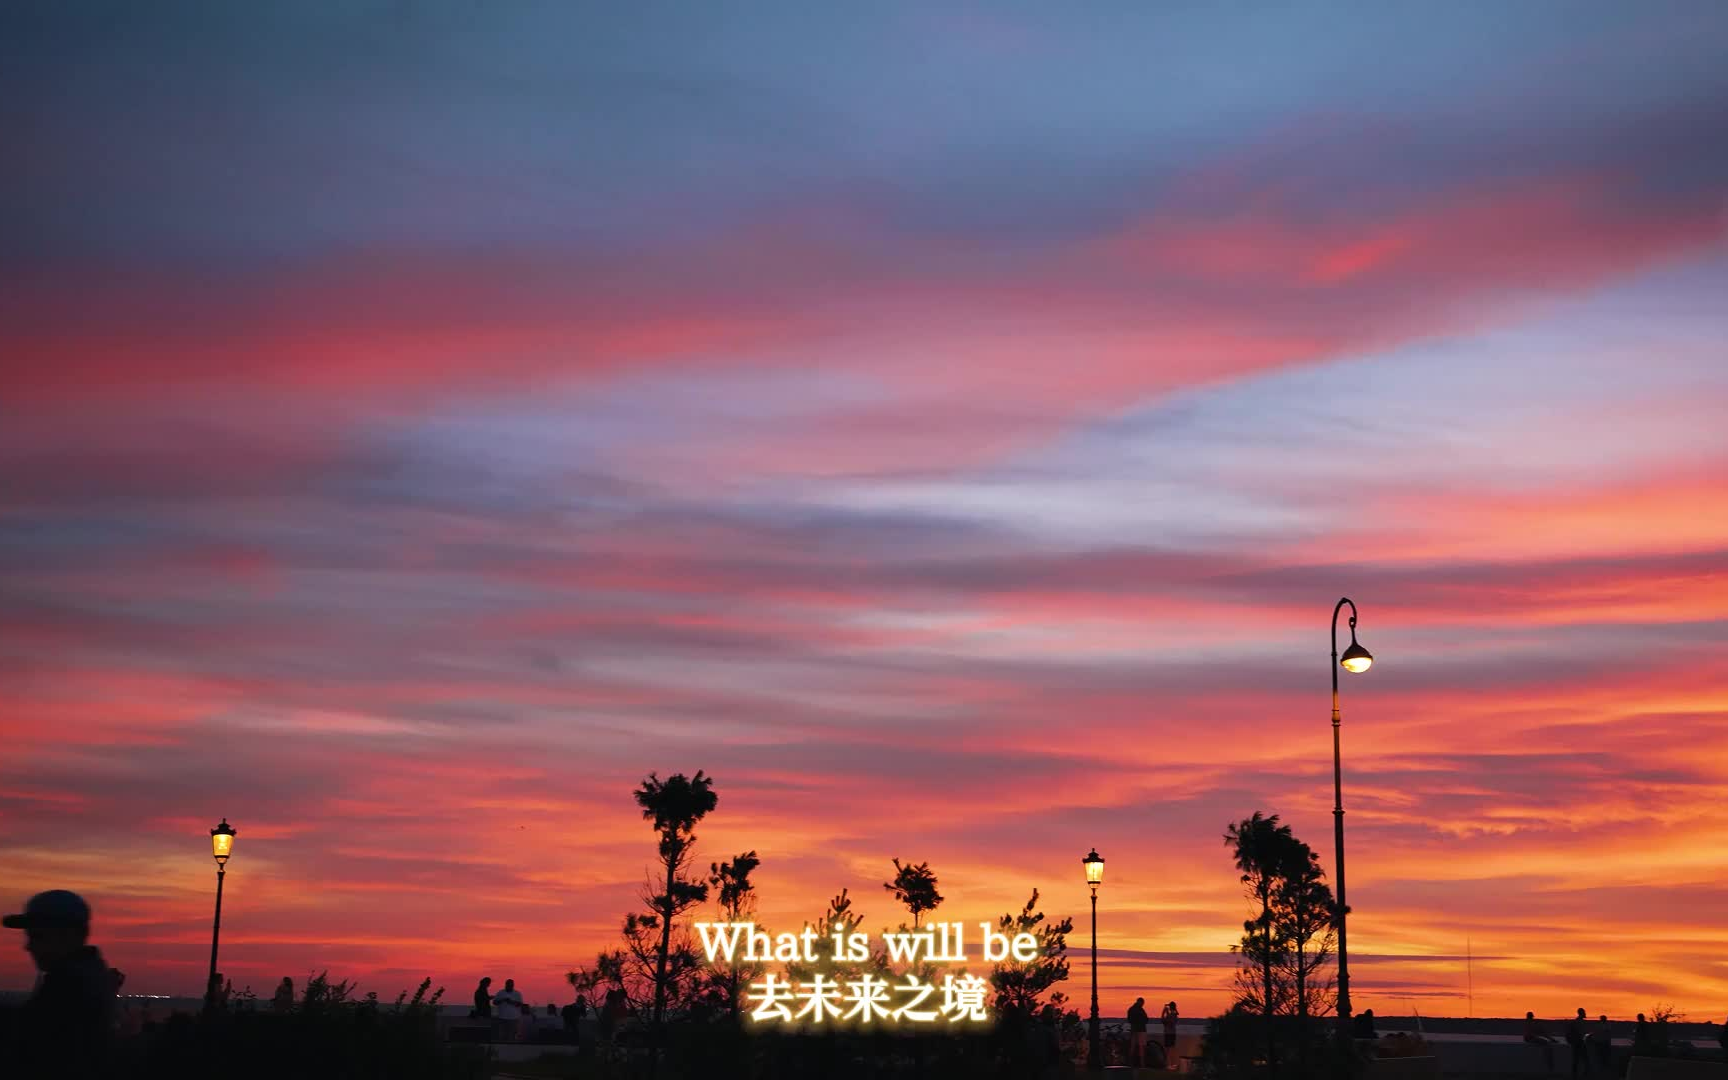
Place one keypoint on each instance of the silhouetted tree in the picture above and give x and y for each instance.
(1287, 948)
(321, 993)
(734, 890)
(650, 966)
(1020, 986)
(737, 897)
(1304, 915)
(1656, 1042)
(840, 917)
(674, 806)
(915, 887)
(615, 970)
(1260, 846)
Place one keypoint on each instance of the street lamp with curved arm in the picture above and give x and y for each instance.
(1356, 659)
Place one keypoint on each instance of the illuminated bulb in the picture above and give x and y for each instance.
(1094, 868)
(222, 841)
(1356, 658)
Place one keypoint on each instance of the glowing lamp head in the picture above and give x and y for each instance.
(1094, 863)
(222, 842)
(1356, 659)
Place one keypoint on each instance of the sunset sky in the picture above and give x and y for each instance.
(949, 426)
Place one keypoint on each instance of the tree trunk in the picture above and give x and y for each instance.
(1266, 969)
(665, 943)
(660, 963)
(1302, 1009)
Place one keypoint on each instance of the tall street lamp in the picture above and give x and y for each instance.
(221, 846)
(1094, 863)
(1356, 659)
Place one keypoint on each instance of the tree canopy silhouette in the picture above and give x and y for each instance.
(736, 894)
(1020, 986)
(674, 806)
(731, 882)
(1258, 844)
(1287, 947)
(915, 887)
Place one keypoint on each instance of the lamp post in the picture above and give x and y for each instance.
(1356, 659)
(221, 846)
(1094, 863)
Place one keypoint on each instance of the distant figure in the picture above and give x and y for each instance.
(610, 1013)
(66, 1029)
(1534, 1033)
(1641, 1038)
(573, 1014)
(216, 993)
(1137, 1030)
(482, 1000)
(1169, 1016)
(508, 1003)
(1575, 1043)
(547, 1027)
(283, 1001)
(1722, 1038)
(1363, 1026)
(1603, 1038)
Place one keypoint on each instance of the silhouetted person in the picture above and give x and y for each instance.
(1641, 1046)
(1722, 1038)
(66, 1029)
(283, 1001)
(610, 1013)
(1137, 1020)
(573, 1015)
(482, 1000)
(508, 1003)
(547, 1026)
(1575, 1043)
(214, 998)
(1169, 1016)
(1603, 1037)
(1363, 1025)
(1534, 1033)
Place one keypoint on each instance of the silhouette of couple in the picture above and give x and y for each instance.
(504, 1009)
(1152, 1056)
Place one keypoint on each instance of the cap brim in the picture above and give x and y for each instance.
(17, 922)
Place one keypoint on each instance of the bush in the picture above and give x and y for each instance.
(326, 1035)
(1235, 1046)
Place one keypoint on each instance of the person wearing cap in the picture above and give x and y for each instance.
(67, 1025)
